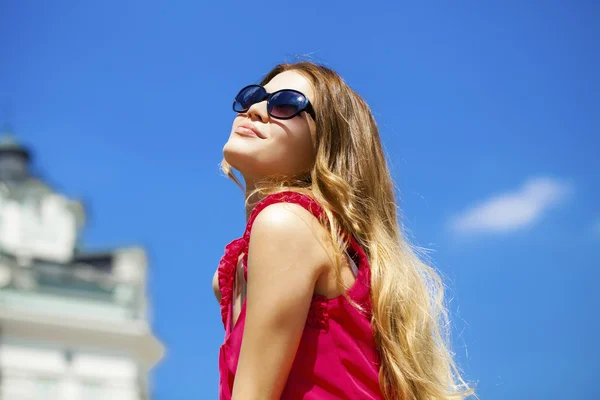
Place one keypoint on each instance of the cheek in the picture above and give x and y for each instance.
(295, 144)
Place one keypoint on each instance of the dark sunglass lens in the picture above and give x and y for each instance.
(247, 97)
(286, 104)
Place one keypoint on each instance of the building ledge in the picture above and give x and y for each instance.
(134, 338)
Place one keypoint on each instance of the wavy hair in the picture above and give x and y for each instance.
(351, 180)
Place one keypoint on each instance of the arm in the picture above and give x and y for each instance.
(285, 258)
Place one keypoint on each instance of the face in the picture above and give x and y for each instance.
(260, 146)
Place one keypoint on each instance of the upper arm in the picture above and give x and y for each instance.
(285, 259)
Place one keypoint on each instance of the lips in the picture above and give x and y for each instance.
(247, 128)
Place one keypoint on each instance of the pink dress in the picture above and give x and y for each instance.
(337, 356)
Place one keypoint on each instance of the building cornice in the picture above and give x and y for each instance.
(131, 337)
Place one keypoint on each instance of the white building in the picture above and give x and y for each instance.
(73, 325)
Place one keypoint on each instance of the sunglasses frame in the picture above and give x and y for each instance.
(307, 106)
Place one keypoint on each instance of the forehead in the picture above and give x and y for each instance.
(291, 80)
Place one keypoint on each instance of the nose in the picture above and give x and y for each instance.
(258, 111)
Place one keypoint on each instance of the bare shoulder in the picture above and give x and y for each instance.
(288, 232)
(287, 217)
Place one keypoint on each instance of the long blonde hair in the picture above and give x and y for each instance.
(351, 180)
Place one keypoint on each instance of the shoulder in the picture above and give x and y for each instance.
(288, 231)
(285, 217)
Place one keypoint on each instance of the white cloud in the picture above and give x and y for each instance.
(513, 210)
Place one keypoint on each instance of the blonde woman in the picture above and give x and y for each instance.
(321, 298)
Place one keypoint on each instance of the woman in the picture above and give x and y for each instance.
(321, 298)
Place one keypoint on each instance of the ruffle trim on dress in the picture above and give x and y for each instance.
(318, 314)
(226, 272)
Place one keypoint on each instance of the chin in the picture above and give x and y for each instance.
(234, 153)
(239, 159)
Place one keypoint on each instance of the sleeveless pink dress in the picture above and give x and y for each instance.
(337, 357)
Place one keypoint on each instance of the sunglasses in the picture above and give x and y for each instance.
(282, 104)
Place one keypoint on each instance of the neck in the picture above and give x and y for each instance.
(252, 199)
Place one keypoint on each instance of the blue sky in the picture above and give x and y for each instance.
(490, 115)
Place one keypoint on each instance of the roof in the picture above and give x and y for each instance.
(8, 143)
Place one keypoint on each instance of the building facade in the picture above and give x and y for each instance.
(74, 325)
